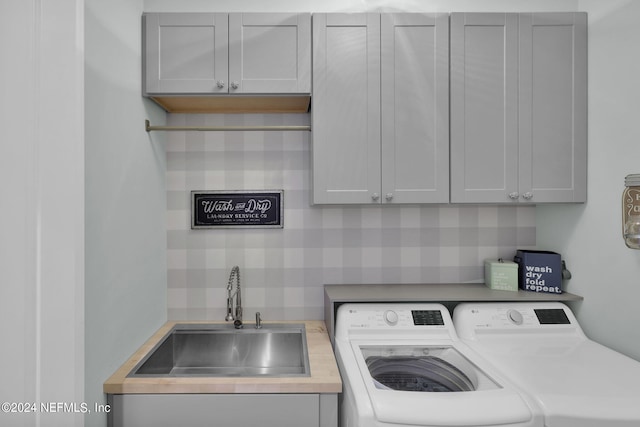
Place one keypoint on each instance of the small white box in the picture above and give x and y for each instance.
(501, 275)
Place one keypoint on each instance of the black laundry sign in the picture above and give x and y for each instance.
(237, 209)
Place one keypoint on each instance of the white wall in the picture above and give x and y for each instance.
(359, 5)
(605, 271)
(41, 209)
(125, 199)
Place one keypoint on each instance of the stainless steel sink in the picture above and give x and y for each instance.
(206, 350)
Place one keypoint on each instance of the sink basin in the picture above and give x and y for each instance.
(218, 350)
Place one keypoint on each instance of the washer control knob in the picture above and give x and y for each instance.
(515, 316)
(391, 317)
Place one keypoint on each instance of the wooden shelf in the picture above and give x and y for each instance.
(238, 104)
(335, 295)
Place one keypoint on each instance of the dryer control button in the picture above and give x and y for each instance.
(515, 316)
(391, 317)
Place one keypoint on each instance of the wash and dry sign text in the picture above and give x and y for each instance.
(237, 209)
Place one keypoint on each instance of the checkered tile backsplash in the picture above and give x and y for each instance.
(283, 270)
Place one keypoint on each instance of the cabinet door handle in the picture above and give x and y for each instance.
(514, 195)
(528, 195)
(235, 85)
(375, 197)
(389, 197)
(220, 84)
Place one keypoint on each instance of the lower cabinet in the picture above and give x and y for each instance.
(228, 410)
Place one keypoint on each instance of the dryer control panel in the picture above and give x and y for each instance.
(472, 318)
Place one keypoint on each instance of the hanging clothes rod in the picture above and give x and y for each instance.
(149, 128)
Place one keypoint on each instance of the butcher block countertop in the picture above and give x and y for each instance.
(324, 378)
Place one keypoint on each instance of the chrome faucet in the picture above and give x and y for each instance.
(237, 318)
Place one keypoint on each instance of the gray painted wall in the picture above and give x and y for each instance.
(604, 270)
(125, 201)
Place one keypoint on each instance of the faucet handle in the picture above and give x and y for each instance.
(258, 320)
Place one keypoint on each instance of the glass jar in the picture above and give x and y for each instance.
(631, 211)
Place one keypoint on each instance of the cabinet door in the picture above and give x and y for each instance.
(484, 107)
(209, 410)
(185, 53)
(269, 53)
(345, 108)
(415, 108)
(553, 107)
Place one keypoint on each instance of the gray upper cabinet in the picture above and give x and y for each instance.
(415, 108)
(185, 53)
(270, 53)
(380, 108)
(518, 107)
(345, 108)
(553, 107)
(219, 53)
(484, 107)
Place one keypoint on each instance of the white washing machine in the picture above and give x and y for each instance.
(541, 347)
(403, 365)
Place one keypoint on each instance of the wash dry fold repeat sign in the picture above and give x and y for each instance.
(237, 209)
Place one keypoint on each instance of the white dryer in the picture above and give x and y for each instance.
(541, 347)
(403, 365)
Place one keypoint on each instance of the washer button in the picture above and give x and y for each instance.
(391, 317)
(515, 316)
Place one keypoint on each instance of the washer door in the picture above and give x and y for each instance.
(417, 373)
(421, 383)
(422, 368)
